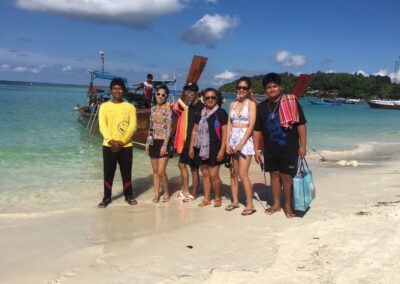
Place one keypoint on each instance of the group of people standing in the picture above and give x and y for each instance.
(208, 138)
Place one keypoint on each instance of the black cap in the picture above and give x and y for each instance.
(191, 87)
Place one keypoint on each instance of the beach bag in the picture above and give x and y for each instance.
(303, 187)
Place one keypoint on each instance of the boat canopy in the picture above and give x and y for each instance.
(107, 76)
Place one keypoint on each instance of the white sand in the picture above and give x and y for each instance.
(346, 237)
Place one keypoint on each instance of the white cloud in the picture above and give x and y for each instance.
(135, 13)
(23, 69)
(210, 29)
(382, 72)
(225, 76)
(211, 1)
(66, 68)
(362, 73)
(165, 76)
(4, 67)
(330, 71)
(288, 59)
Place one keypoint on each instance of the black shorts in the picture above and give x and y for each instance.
(287, 166)
(185, 159)
(154, 150)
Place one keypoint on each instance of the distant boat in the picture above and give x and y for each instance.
(352, 101)
(385, 104)
(322, 102)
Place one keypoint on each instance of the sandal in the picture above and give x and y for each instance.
(165, 199)
(290, 214)
(217, 203)
(231, 207)
(205, 202)
(247, 212)
(155, 199)
(271, 210)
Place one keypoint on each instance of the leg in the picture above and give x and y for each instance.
(287, 182)
(234, 183)
(206, 186)
(276, 192)
(185, 179)
(162, 174)
(244, 164)
(109, 167)
(195, 180)
(216, 184)
(156, 179)
(125, 167)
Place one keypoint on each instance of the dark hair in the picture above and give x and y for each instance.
(118, 82)
(271, 78)
(149, 76)
(165, 88)
(216, 92)
(244, 79)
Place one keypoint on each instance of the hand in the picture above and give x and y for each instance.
(115, 146)
(146, 148)
(302, 151)
(257, 157)
(239, 148)
(229, 149)
(191, 153)
(220, 155)
(163, 151)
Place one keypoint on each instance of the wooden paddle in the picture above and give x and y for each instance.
(301, 85)
(197, 67)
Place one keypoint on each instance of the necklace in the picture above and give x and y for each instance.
(273, 112)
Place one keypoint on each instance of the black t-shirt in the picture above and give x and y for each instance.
(194, 114)
(215, 122)
(279, 143)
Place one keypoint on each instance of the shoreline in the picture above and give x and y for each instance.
(348, 235)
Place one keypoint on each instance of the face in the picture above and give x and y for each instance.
(210, 99)
(273, 90)
(242, 89)
(192, 95)
(117, 92)
(161, 96)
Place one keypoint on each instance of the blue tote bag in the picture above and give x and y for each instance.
(303, 187)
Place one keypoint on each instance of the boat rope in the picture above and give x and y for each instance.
(323, 159)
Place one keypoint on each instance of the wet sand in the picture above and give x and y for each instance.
(350, 235)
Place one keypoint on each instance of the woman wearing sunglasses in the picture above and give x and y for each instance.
(157, 142)
(207, 146)
(239, 143)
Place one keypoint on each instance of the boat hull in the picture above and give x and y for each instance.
(384, 105)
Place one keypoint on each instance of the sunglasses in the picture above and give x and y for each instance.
(161, 95)
(210, 98)
(242, 88)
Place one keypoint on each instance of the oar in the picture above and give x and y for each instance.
(301, 85)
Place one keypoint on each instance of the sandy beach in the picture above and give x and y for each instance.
(350, 235)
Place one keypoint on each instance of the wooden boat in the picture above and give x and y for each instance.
(96, 96)
(384, 104)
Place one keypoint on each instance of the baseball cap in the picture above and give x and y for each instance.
(191, 87)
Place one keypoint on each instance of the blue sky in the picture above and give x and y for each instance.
(58, 41)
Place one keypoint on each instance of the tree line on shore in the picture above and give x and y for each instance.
(333, 85)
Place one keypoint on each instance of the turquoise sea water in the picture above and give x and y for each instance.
(46, 162)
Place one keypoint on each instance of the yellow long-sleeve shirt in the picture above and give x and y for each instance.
(117, 121)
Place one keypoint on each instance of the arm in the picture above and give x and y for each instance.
(249, 131)
(168, 125)
(256, 141)
(221, 152)
(229, 149)
(192, 141)
(131, 129)
(105, 132)
(302, 130)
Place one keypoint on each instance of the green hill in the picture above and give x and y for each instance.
(333, 84)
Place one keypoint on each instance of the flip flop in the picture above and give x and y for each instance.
(217, 203)
(156, 199)
(165, 199)
(290, 215)
(271, 211)
(247, 212)
(231, 207)
(205, 202)
(188, 198)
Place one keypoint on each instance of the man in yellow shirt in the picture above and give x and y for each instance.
(117, 123)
